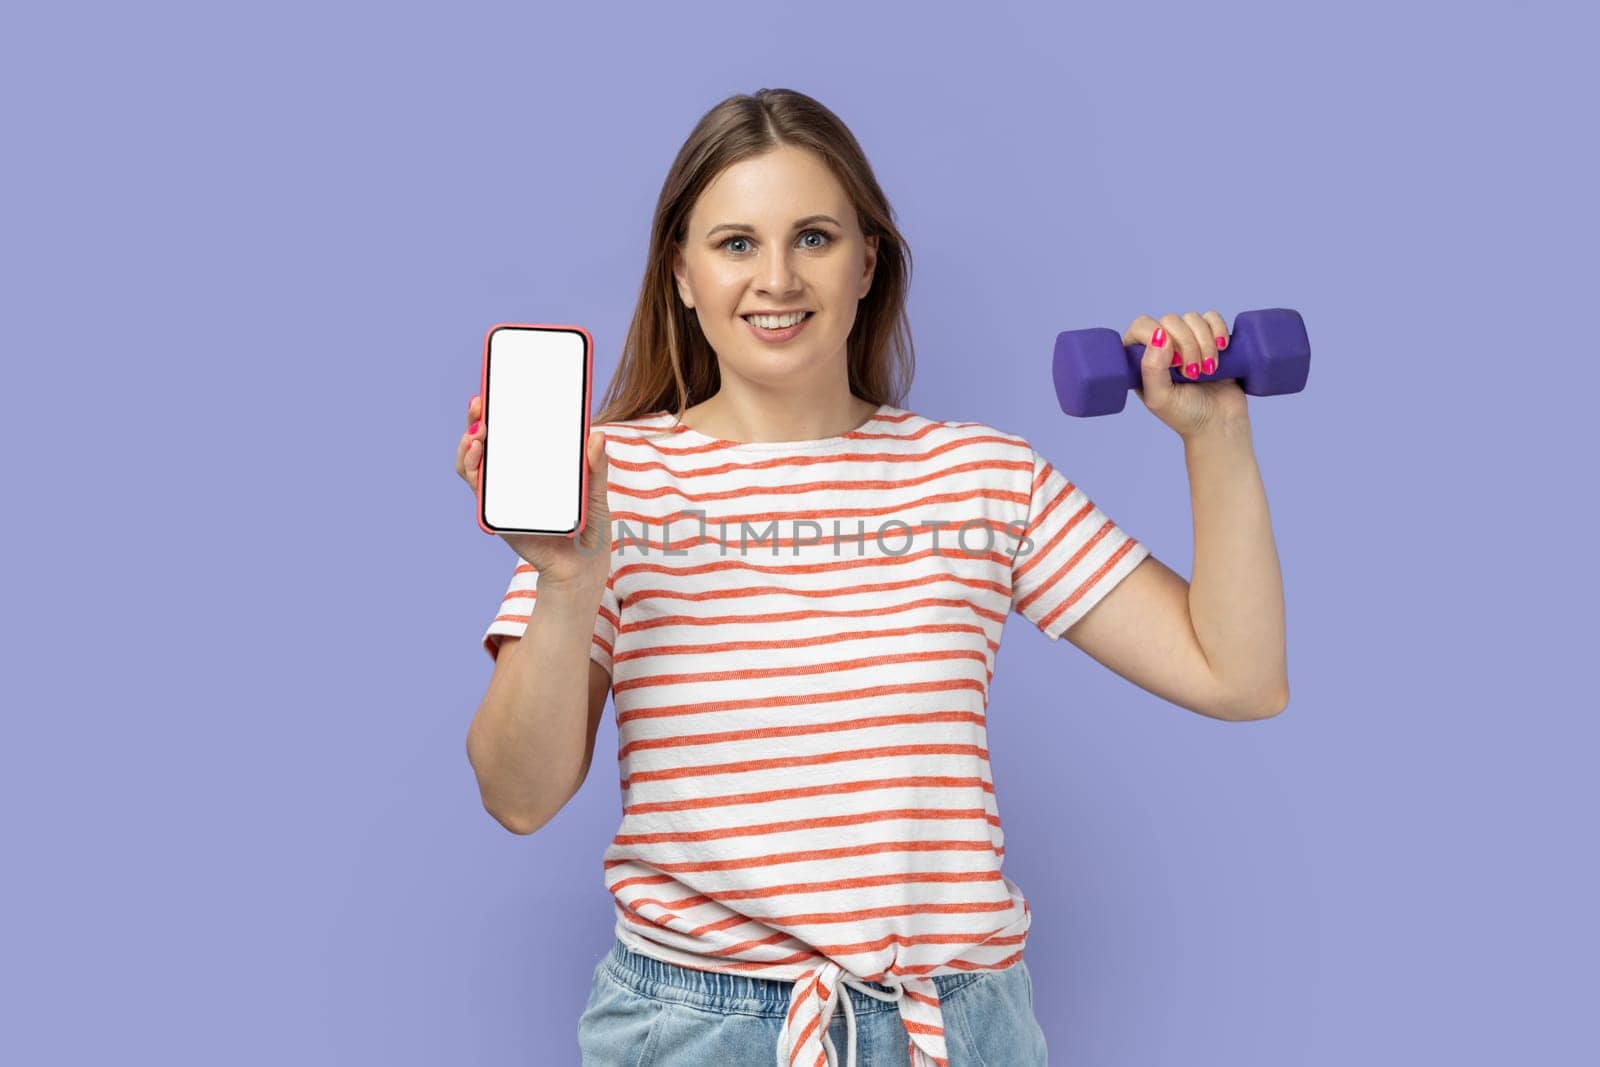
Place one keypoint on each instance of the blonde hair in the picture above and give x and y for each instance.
(667, 364)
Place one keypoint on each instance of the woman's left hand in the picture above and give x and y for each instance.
(1189, 342)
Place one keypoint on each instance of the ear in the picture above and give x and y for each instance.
(872, 264)
(684, 292)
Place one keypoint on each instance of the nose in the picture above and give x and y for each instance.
(777, 275)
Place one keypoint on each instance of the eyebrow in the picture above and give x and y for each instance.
(798, 223)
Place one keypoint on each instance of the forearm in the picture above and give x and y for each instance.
(1236, 592)
(528, 738)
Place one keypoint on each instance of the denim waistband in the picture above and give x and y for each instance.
(742, 993)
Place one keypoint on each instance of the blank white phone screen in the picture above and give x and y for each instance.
(533, 441)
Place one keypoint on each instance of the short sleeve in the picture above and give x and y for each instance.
(518, 605)
(1071, 554)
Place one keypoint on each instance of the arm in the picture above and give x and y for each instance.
(1236, 594)
(1216, 646)
(532, 737)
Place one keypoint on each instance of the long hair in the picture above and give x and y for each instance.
(667, 364)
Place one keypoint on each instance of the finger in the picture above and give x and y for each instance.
(1219, 331)
(475, 421)
(469, 453)
(1187, 344)
(1204, 334)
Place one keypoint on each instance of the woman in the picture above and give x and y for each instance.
(799, 660)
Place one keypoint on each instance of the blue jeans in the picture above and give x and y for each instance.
(643, 1012)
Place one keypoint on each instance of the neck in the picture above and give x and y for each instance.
(772, 417)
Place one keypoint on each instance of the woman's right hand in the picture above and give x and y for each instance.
(582, 561)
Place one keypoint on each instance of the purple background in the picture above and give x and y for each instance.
(249, 261)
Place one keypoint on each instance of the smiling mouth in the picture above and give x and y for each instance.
(781, 333)
(752, 317)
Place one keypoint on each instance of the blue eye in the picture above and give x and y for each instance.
(828, 239)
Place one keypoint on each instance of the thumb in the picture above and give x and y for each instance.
(598, 467)
(596, 533)
(1155, 369)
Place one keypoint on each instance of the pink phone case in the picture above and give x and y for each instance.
(588, 390)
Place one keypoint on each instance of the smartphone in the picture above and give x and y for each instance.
(535, 389)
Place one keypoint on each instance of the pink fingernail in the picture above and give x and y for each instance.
(1222, 342)
(1177, 359)
(1192, 371)
(474, 427)
(1158, 338)
(1208, 365)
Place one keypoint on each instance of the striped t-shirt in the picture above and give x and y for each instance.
(800, 636)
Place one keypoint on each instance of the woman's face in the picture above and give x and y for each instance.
(752, 245)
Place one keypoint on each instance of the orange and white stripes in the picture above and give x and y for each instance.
(804, 1038)
(801, 637)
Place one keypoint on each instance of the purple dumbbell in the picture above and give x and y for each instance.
(1267, 352)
